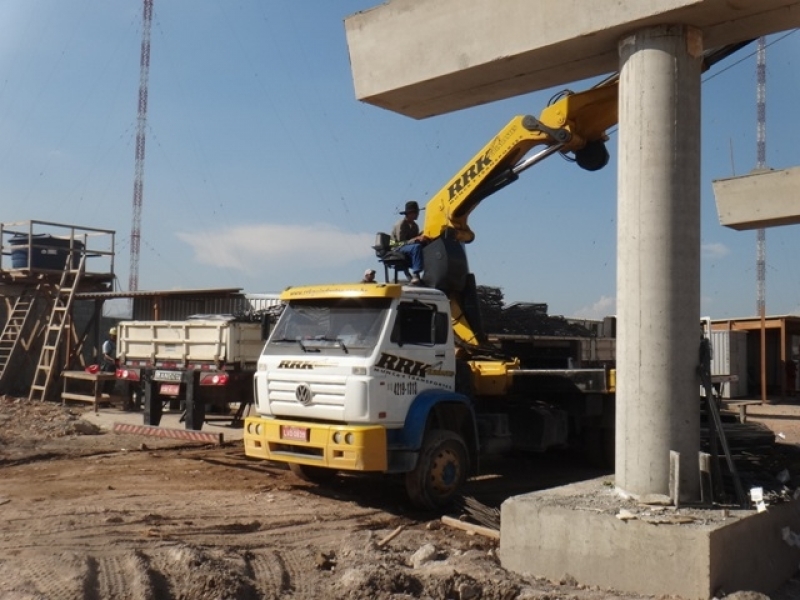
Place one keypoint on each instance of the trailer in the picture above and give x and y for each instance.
(202, 365)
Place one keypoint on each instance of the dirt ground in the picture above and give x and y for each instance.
(88, 514)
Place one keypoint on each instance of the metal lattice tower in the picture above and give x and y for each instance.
(141, 123)
(761, 164)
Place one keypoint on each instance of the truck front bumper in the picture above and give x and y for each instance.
(340, 447)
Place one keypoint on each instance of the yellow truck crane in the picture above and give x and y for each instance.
(387, 378)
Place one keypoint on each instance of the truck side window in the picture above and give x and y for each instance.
(416, 324)
(442, 327)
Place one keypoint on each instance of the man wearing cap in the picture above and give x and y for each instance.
(407, 239)
(369, 276)
(109, 362)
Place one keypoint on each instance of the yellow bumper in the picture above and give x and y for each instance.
(340, 447)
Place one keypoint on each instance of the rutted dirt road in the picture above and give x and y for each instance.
(91, 515)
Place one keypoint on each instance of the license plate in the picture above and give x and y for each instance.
(167, 375)
(169, 389)
(290, 432)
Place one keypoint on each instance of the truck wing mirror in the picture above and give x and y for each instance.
(265, 325)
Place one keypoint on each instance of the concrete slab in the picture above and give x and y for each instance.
(427, 57)
(759, 199)
(693, 553)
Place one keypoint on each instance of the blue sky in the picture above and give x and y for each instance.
(264, 171)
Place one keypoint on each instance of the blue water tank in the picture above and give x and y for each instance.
(44, 251)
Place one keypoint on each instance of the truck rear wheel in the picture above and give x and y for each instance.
(312, 474)
(440, 472)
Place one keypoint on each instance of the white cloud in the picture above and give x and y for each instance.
(249, 248)
(715, 250)
(604, 307)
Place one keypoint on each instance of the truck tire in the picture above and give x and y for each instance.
(441, 470)
(312, 474)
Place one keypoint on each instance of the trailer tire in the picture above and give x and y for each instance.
(441, 470)
(312, 473)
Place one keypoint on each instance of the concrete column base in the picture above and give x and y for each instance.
(573, 531)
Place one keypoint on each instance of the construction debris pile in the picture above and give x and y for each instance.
(523, 318)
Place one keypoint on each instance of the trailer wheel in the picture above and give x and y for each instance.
(440, 472)
(312, 473)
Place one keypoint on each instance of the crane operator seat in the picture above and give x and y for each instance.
(390, 258)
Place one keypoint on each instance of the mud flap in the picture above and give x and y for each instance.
(195, 406)
(152, 403)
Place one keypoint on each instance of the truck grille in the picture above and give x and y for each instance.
(306, 392)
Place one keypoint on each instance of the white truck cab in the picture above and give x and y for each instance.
(361, 377)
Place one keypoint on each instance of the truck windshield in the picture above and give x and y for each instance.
(349, 326)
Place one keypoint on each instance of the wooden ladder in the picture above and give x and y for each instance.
(12, 339)
(59, 318)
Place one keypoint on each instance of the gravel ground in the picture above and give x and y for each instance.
(89, 514)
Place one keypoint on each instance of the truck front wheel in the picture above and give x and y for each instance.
(441, 470)
(313, 474)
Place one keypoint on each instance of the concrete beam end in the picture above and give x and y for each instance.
(758, 200)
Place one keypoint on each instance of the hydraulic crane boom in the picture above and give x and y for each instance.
(576, 122)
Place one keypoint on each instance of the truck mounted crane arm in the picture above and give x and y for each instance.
(575, 122)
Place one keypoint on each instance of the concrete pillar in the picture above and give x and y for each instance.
(658, 271)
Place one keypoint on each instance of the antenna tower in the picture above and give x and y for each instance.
(761, 236)
(761, 164)
(141, 123)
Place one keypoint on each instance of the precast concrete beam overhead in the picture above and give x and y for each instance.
(761, 199)
(422, 58)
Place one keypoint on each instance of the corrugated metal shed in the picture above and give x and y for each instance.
(781, 350)
(730, 358)
(176, 305)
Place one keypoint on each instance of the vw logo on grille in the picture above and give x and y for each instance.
(303, 394)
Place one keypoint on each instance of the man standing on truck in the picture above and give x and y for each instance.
(407, 239)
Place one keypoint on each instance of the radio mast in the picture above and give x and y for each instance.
(761, 235)
(141, 123)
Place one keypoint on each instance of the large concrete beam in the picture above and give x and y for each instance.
(760, 199)
(422, 58)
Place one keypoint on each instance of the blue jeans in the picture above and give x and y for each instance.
(414, 254)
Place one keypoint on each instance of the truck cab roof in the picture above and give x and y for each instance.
(359, 290)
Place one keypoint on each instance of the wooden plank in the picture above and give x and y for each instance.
(81, 397)
(470, 528)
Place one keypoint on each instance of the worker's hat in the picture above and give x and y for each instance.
(369, 272)
(112, 331)
(411, 207)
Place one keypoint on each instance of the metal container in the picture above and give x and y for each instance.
(729, 357)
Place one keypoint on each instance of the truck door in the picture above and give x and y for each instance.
(418, 356)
